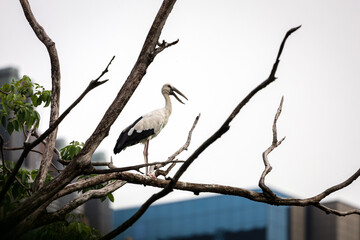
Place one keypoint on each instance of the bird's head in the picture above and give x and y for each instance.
(171, 90)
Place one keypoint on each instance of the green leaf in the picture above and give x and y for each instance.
(34, 99)
(3, 120)
(110, 197)
(9, 98)
(3, 98)
(34, 173)
(10, 128)
(6, 87)
(38, 101)
(16, 125)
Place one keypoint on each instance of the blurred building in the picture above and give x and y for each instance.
(98, 213)
(228, 218)
(320, 225)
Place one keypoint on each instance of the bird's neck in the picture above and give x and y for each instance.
(168, 106)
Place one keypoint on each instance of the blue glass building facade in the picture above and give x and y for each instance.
(211, 218)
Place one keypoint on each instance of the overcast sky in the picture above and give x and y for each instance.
(226, 49)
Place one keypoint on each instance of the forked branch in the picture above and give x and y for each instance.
(272, 198)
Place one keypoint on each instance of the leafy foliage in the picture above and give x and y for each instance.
(72, 228)
(18, 102)
(71, 150)
(18, 190)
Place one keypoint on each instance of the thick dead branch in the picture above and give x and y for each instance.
(61, 213)
(55, 90)
(198, 188)
(96, 193)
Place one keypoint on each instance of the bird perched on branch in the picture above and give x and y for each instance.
(149, 125)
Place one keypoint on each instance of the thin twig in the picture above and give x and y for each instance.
(172, 157)
(20, 148)
(161, 46)
(129, 168)
(275, 143)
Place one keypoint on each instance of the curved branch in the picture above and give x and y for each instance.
(275, 143)
(55, 90)
(198, 188)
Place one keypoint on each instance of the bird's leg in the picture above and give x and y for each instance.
(146, 147)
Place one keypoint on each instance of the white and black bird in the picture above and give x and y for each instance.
(149, 125)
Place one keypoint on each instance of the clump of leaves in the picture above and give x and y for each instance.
(18, 102)
(71, 150)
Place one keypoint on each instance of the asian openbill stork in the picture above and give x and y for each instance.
(149, 125)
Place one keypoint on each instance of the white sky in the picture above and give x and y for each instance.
(226, 48)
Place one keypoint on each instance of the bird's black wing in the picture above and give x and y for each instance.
(125, 140)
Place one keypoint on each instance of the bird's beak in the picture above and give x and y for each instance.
(174, 91)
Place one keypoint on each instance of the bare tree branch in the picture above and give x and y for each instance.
(172, 157)
(40, 178)
(55, 91)
(30, 132)
(20, 148)
(275, 143)
(336, 212)
(161, 46)
(129, 168)
(95, 193)
(198, 188)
